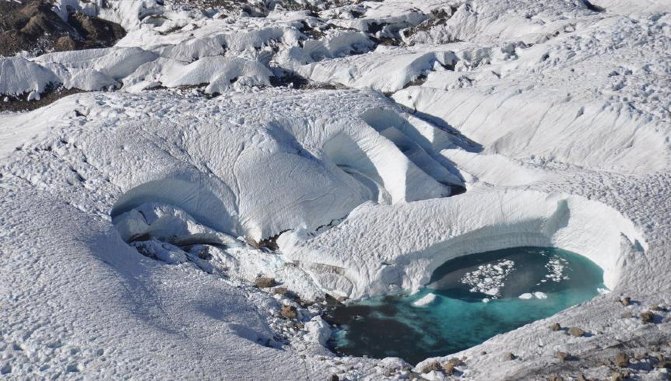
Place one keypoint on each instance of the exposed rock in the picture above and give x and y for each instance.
(562, 356)
(289, 312)
(508, 356)
(647, 317)
(555, 377)
(622, 360)
(65, 43)
(270, 243)
(616, 377)
(20, 103)
(95, 30)
(555, 327)
(450, 365)
(575, 331)
(625, 300)
(34, 27)
(204, 253)
(280, 290)
(663, 363)
(264, 282)
(431, 366)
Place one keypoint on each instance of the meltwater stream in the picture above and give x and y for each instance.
(469, 300)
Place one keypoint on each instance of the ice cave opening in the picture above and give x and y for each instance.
(468, 300)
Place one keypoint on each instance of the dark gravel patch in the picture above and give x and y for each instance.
(20, 104)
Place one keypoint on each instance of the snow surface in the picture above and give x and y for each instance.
(554, 118)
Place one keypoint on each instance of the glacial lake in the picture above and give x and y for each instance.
(468, 300)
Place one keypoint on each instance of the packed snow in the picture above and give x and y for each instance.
(326, 146)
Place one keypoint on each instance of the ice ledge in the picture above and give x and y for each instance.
(399, 246)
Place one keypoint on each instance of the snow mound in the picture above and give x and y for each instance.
(271, 166)
(219, 72)
(20, 76)
(386, 70)
(115, 62)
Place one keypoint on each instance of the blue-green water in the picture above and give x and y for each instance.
(476, 297)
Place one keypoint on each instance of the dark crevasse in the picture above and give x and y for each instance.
(468, 300)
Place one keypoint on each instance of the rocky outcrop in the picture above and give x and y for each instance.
(33, 26)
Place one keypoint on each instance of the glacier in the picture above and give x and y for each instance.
(346, 150)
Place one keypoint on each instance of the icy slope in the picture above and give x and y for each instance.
(132, 317)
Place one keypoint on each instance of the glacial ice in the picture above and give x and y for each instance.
(551, 116)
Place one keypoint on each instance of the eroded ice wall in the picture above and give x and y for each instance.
(381, 249)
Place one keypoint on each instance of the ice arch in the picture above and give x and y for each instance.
(194, 197)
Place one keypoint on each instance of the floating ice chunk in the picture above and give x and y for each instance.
(555, 267)
(489, 279)
(526, 296)
(492, 291)
(540, 295)
(425, 300)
